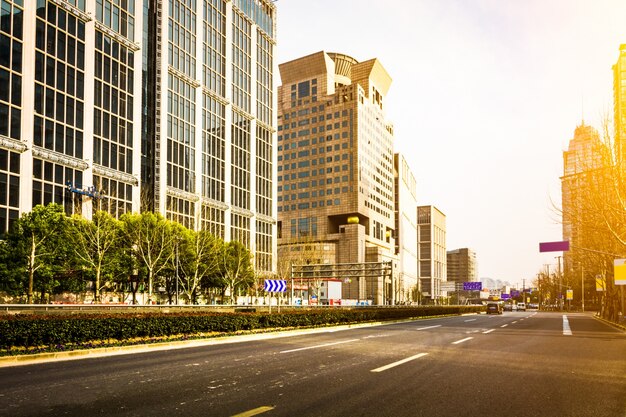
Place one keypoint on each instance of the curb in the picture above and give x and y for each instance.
(610, 323)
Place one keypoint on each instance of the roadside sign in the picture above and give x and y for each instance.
(275, 285)
(600, 283)
(472, 286)
(570, 294)
(620, 271)
(562, 246)
(447, 286)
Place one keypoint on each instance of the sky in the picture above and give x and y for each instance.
(486, 95)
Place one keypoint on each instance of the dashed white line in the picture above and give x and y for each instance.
(470, 320)
(391, 365)
(319, 346)
(504, 325)
(514, 322)
(428, 327)
(488, 331)
(566, 329)
(462, 340)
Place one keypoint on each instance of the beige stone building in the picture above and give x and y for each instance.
(431, 252)
(619, 102)
(462, 266)
(405, 202)
(335, 168)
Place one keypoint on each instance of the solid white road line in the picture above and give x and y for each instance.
(254, 412)
(462, 340)
(566, 329)
(391, 365)
(428, 327)
(488, 331)
(320, 346)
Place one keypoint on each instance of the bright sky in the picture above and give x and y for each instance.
(486, 95)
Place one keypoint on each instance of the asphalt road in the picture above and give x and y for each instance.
(516, 364)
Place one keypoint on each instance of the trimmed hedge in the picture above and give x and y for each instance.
(30, 330)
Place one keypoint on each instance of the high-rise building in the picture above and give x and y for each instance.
(582, 167)
(431, 252)
(128, 105)
(405, 203)
(461, 266)
(619, 103)
(335, 166)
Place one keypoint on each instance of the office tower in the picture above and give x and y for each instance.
(129, 105)
(461, 266)
(619, 104)
(582, 168)
(431, 252)
(405, 204)
(335, 166)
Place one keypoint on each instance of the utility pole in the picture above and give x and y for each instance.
(582, 285)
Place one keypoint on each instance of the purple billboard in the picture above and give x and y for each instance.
(562, 246)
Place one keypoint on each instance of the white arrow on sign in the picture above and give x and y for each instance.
(275, 285)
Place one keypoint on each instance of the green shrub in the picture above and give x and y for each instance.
(34, 330)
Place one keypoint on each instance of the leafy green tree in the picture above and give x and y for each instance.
(96, 244)
(151, 239)
(198, 259)
(236, 270)
(38, 239)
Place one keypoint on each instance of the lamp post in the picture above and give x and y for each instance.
(582, 285)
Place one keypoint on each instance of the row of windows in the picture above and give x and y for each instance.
(9, 189)
(181, 133)
(264, 79)
(112, 155)
(113, 128)
(117, 15)
(181, 211)
(58, 137)
(310, 205)
(49, 185)
(116, 196)
(212, 221)
(214, 46)
(263, 253)
(313, 194)
(214, 148)
(182, 38)
(67, 47)
(240, 168)
(240, 229)
(242, 62)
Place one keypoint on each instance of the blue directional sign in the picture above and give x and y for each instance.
(275, 285)
(472, 286)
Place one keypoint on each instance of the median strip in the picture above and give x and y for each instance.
(391, 365)
(319, 346)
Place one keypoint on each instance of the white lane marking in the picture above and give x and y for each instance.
(469, 320)
(504, 325)
(319, 346)
(391, 365)
(514, 322)
(462, 340)
(428, 327)
(488, 331)
(566, 329)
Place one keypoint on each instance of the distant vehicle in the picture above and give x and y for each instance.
(533, 306)
(521, 307)
(508, 307)
(494, 308)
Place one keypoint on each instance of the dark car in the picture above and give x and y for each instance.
(494, 308)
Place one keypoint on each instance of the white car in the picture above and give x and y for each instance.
(521, 307)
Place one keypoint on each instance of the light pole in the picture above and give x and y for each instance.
(582, 285)
(560, 283)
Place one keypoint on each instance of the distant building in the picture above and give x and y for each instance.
(462, 266)
(335, 167)
(405, 203)
(582, 167)
(431, 252)
(619, 103)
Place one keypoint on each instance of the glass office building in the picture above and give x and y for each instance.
(132, 105)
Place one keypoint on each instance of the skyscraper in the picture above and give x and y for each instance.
(335, 165)
(461, 266)
(431, 251)
(582, 167)
(405, 203)
(128, 105)
(619, 103)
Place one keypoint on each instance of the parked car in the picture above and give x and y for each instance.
(494, 308)
(521, 307)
